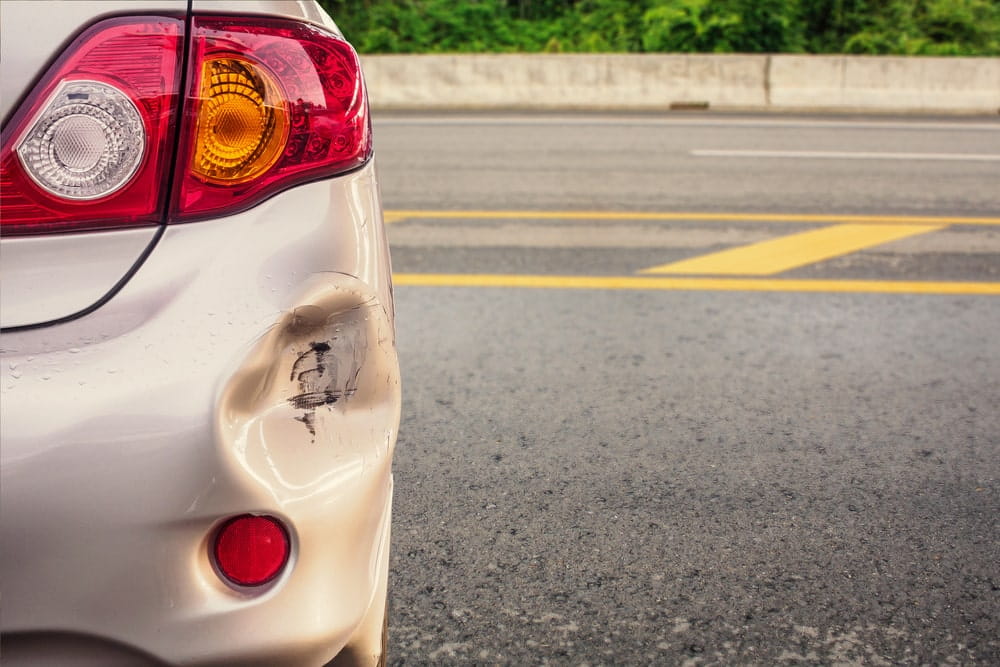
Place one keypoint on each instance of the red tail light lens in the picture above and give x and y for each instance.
(271, 103)
(251, 550)
(90, 147)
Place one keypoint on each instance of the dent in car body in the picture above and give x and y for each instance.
(160, 452)
(312, 414)
(318, 395)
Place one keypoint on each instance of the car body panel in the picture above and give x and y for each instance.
(46, 278)
(297, 9)
(195, 372)
(247, 365)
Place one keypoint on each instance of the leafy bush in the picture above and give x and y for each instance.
(602, 26)
(743, 26)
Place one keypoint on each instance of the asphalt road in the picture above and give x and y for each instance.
(645, 163)
(611, 456)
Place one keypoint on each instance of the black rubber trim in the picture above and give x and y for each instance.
(162, 227)
(104, 299)
(179, 122)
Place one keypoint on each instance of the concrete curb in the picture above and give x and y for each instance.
(647, 82)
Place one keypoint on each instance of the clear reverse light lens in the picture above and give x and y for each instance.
(86, 143)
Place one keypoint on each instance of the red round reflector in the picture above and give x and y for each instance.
(251, 550)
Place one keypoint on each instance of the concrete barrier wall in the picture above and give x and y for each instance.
(657, 82)
(970, 85)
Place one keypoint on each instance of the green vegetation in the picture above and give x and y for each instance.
(907, 27)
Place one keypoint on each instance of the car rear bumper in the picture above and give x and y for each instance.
(130, 434)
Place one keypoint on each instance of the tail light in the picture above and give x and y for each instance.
(90, 146)
(270, 103)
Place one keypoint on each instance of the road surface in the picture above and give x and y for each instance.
(695, 389)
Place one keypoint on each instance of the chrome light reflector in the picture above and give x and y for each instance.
(86, 143)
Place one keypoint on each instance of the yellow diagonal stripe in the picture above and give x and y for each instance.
(768, 258)
(692, 284)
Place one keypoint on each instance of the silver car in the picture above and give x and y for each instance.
(199, 373)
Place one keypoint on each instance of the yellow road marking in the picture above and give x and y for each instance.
(693, 284)
(399, 215)
(773, 256)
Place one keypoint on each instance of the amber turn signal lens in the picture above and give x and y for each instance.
(242, 122)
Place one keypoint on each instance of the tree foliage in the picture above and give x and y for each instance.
(909, 27)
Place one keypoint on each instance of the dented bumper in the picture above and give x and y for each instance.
(249, 366)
